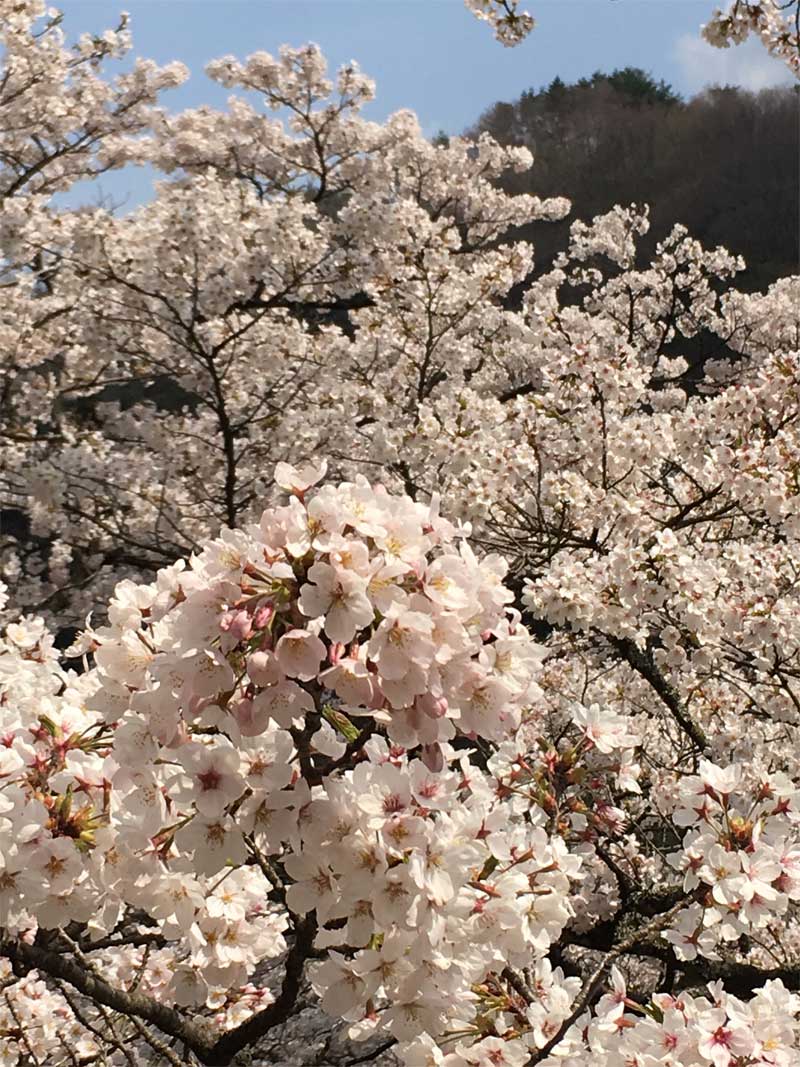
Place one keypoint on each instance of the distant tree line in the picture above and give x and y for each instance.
(725, 163)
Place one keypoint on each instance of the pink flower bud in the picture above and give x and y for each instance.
(241, 626)
(263, 615)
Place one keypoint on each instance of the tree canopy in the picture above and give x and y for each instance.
(434, 622)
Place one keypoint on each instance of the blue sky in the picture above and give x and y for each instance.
(430, 55)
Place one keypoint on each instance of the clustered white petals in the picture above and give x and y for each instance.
(510, 25)
(770, 20)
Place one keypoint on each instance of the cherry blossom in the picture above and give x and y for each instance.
(304, 718)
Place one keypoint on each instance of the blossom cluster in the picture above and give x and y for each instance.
(510, 25)
(215, 730)
(714, 1029)
(740, 855)
(770, 20)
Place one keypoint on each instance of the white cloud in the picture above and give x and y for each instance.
(748, 65)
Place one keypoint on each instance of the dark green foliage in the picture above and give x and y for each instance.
(634, 84)
(725, 163)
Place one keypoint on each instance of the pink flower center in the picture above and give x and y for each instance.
(721, 1036)
(393, 803)
(209, 779)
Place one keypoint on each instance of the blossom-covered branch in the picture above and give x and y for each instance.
(302, 743)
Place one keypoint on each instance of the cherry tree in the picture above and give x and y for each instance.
(245, 329)
(435, 647)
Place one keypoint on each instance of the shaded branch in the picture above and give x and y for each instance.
(644, 664)
(209, 1047)
(594, 982)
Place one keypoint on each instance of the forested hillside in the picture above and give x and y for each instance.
(724, 163)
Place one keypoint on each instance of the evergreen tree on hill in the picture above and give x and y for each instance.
(725, 163)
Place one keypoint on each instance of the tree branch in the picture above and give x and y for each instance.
(595, 980)
(210, 1048)
(644, 664)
